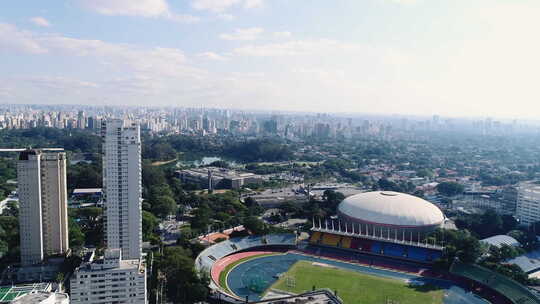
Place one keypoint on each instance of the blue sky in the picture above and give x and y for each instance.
(453, 57)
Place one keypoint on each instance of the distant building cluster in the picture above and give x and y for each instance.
(207, 121)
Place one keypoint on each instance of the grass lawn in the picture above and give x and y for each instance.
(354, 287)
(227, 269)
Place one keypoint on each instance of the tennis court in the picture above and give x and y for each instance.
(10, 293)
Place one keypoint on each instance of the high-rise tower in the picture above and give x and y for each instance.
(122, 259)
(122, 187)
(43, 205)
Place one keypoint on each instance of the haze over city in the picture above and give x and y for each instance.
(269, 152)
(455, 58)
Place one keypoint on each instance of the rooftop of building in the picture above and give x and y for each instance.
(40, 296)
(87, 190)
(12, 292)
(391, 208)
(313, 297)
(218, 172)
(499, 240)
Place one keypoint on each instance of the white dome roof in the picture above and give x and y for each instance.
(391, 208)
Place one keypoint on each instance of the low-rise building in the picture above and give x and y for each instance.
(109, 280)
(86, 197)
(218, 178)
(528, 203)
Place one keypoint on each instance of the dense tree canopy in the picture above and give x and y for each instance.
(450, 188)
(183, 284)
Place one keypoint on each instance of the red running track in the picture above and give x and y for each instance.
(226, 261)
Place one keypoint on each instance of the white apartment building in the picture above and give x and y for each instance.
(528, 203)
(120, 275)
(110, 280)
(43, 216)
(122, 187)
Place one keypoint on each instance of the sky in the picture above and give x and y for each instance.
(425, 57)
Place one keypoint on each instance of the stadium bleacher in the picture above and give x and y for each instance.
(394, 250)
(512, 290)
(375, 247)
(346, 242)
(280, 239)
(214, 253)
(315, 237)
(330, 239)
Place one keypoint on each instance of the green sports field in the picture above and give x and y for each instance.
(354, 287)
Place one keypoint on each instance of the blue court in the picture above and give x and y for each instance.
(264, 271)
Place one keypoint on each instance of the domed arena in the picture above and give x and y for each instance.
(386, 212)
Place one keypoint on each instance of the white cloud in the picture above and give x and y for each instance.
(40, 21)
(252, 33)
(182, 18)
(253, 3)
(297, 48)
(143, 8)
(402, 2)
(219, 6)
(214, 5)
(15, 40)
(282, 34)
(226, 17)
(212, 56)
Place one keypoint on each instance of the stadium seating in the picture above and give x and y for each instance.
(315, 237)
(214, 253)
(364, 245)
(376, 248)
(511, 289)
(330, 239)
(355, 243)
(415, 253)
(281, 239)
(394, 250)
(346, 242)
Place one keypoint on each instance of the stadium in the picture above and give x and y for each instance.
(375, 251)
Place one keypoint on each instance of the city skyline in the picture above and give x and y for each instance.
(453, 58)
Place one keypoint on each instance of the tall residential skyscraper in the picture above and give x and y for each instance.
(43, 205)
(119, 276)
(122, 187)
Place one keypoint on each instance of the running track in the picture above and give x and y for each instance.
(220, 265)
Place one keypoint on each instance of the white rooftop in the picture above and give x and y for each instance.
(391, 208)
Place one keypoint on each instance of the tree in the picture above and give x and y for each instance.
(76, 237)
(450, 188)
(386, 185)
(255, 225)
(459, 244)
(163, 206)
(149, 224)
(183, 283)
(424, 173)
(90, 222)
